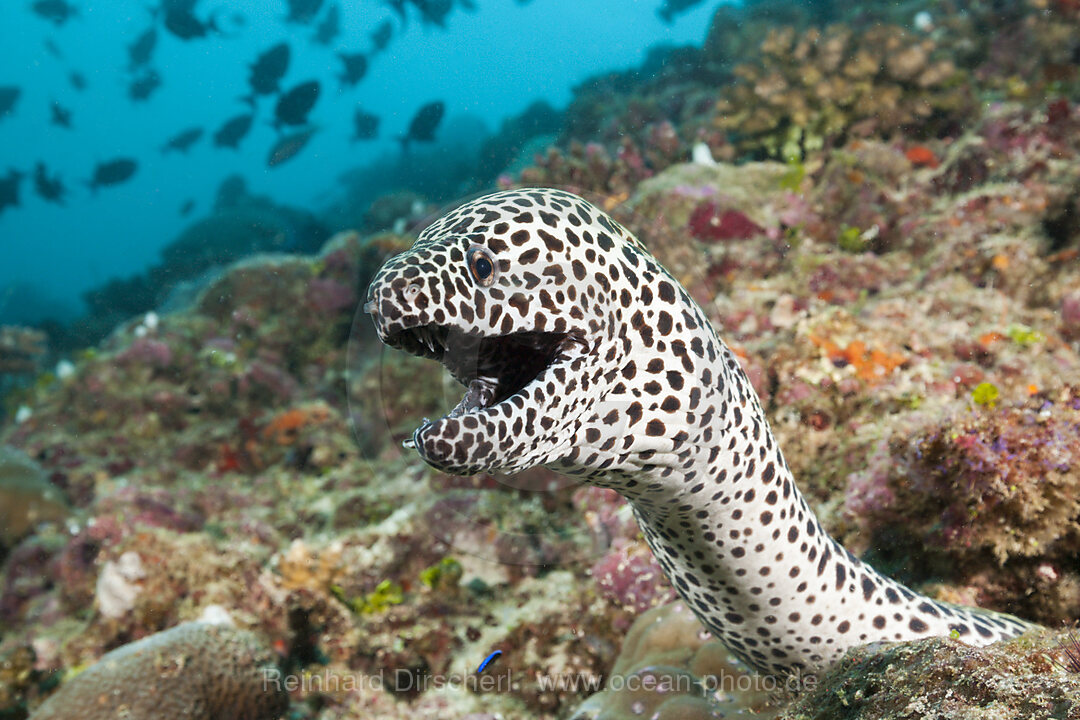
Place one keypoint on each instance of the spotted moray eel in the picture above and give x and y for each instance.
(581, 353)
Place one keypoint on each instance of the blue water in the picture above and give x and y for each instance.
(486, 66)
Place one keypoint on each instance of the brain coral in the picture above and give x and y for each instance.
(194, 671)
(670, 668)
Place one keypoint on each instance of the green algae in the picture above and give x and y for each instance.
(985, 394)
(851, 240)
(1024, 336)
(445, 574)
(385, 595)
(793, 177)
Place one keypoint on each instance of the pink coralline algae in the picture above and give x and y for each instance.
(1070, 314)
(269, 374)
(630, 575)
(147, 351)
(151, 508)
(868, 492)
(709, 222)
(602, 510)
(330, 296)
(27, 578)
(990, 487)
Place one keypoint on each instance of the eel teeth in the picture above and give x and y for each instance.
(424, 336)
(479, 394)
(428, 338)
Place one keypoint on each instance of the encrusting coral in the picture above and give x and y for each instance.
(194, 671)
(26, 496)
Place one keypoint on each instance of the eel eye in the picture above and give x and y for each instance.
(481, 265)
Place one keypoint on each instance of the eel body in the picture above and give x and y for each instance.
(580, 352)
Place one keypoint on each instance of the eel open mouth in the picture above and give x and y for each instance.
(492, 369)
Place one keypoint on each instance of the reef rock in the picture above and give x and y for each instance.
(943, 678)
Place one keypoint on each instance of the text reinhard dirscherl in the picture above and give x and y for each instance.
(411, 682)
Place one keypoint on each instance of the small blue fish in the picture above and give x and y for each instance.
(487, 661)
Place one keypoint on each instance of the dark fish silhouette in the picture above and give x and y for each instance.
(9, 95)
(49, 189)
(289, 146)
(330, 27)
(671, 8)
(112, 172)
(77, 80)
(293, 107)
(182, 142)
(267, 71)
(61, 116)
(382, 35)
(9, 189)
(177, 6)
(57, 11)
(145, 85)
(354, 68)
(303, 12)
(180, 20)
(398, 6)
(53, 49)
(434, 12)
(424, 123)
(233, 131)
(365, 125)
(140, 51)
(187, 207)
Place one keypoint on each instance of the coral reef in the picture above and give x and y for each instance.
(193, 671)
(900, 287)
(240, 225)
(19, 349)
(809, 90)
(22, 352)
(499, 150)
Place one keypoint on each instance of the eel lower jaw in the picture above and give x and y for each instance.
(492, 368)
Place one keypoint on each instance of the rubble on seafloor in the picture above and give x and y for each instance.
(902, 295)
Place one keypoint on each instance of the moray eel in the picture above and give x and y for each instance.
(579, 352)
